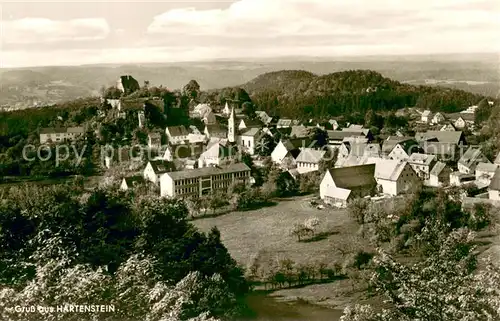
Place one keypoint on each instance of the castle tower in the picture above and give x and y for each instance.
(231, 127)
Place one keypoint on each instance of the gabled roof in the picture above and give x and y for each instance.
(251, 122)
(206, 171)
(470, 157)
(389, 169)
(391, 142)
(134, 179)
(426, 113)
(284, 122)
(424, 159)
(440, 136)
(251, 132)
(219, 150)
(161, 166)
(309, 155)
(486, 167)
(495, 181)
(300, 131)
(409, 146)
(339, 135)
(215, 128)
(177, 131)
(438, 168)
(354, 176)
(437, 148)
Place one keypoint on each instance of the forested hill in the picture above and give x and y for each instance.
(298, 93)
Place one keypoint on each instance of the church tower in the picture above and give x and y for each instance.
(231, 127)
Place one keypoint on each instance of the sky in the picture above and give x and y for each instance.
(37, 33)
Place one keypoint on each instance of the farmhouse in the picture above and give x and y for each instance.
(469, 160)
(340, 185)
(395, 177)
(439, 175)
(203, 181)
(56, 135)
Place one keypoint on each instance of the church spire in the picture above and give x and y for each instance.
(231, 127)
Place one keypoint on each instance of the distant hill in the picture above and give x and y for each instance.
(48, 85)
(299, 94)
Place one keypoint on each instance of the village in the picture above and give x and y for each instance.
(188, 161)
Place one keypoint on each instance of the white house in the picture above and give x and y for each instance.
(217, 154)
(130, 182)
(469, 160)
(422, 164)
(249, 138)
(426, 116)
(440, 175)
(264, 117)
(309, 159)
(485, 172)
(176, 134)
(155, 168)
(494, 188)
(437, 119)
(340, 185)
(284, 123)
(285, 149)
(115, 103)
(395, 177)
(403, 150)
(460, 123)
(203, 181)
(447, 128)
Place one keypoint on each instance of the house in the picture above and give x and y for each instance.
(390, 142)
(247, 123)
(215, 131)
(426, 116)
(485, 172)
(443, 151)
(114, 103)
(438, 118)
(469, 160)
(155, 168)
(458, 179)
(154, 141)
(439, 175)
(217, 153)
(463, 120)
(353, 153)
(285, 152)
(249, 138)
(195, 136)
(284, 123)
(494, 188)
(340, 185)
(57, 135)
(422, 164)
(451, 137)
(403, 150)
(203, 181)
(337, 137)
(448, 128)
(308, 160)
(334, 124)
(300, 131)
(395, 177)
(176, 134)
(183, 152)
(264, 117)
(130, 182)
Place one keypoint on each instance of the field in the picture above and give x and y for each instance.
(265, 234)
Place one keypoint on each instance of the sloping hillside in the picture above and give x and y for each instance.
(303, 94)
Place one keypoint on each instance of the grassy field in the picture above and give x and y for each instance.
(266, 232)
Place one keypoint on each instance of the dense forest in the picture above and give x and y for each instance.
(301, 94)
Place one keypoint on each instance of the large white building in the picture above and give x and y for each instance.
(395, 177)
(176, 134)
(155, 168)
(308, 160)
(58, 135)
(422, 164)
(203, 181)
(248, 139)
(470, 159)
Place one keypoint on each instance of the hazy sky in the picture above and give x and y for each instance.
(83, 32)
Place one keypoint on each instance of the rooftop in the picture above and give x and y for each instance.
(208, 171)
(417, 158)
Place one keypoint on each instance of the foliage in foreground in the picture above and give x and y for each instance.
(105, 247)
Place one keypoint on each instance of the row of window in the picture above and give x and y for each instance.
(307, 165)
(191, 181)
(186, 190)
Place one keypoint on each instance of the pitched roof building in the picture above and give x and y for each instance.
(469, 160)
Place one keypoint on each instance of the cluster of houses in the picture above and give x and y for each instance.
(196, 160)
